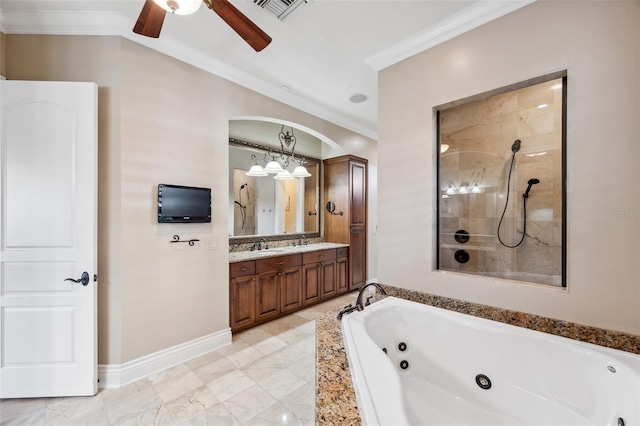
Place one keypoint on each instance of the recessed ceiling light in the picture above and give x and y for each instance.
(285, 89)
(358, 98)
(556, 86)
(543, 106)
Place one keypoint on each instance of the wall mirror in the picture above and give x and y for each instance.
(268, 206)
(501, 174)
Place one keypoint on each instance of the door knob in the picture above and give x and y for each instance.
(84, 279)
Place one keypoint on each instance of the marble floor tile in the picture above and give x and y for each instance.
(205, 359)
(22, 412)
(265, 377)
(244, 357)
(304, 368)
(209, 372)
(157, 417)
(131, 402)
(218, 415)
(270, 345)
(191, 404)
(302, 403)
(230, 384)
(249, 403)
(174, 382)
(281, 384)
(276, 415)
(72, 410)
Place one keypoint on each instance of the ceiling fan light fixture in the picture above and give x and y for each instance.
(180, 7)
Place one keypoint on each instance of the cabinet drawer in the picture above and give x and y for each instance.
(342, 252)
(239, 269)
(318, 256)
(275, 263)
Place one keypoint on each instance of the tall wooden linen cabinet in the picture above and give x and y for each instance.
(345, 186)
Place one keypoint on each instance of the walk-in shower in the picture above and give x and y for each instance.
(501, 192)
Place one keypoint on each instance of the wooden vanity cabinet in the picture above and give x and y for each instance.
(345, 184)
(242, 292)
(264, 289)
(319, 274)
(342, 270)
(325, 275)
(278, 288)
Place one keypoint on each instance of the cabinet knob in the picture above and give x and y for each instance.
(244, 268)
(281, 262)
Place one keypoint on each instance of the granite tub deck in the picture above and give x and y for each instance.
(335, 397)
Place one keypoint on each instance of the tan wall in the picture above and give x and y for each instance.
(161, 121)
(599, 44)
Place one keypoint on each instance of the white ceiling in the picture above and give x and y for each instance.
(324, 51)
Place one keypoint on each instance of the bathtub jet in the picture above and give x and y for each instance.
(454, 369)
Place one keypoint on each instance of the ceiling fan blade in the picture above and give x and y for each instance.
(150, 20)
(242, 25)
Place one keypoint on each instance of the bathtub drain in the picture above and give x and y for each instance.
(483, 381)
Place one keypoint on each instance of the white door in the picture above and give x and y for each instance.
(48, 175)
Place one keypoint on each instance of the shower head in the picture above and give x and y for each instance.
(516, 146)
(531, 182)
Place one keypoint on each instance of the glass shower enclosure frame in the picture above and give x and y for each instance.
(501, 183)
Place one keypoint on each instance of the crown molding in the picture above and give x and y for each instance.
(472, 17)
(108, 23)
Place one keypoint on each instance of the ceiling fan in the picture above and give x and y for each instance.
(153, 12)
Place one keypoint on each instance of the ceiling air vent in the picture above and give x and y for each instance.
(280, 8)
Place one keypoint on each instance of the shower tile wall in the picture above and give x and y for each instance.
(473, 184)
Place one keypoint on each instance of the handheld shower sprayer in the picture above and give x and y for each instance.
(515, 147)
(531, 182)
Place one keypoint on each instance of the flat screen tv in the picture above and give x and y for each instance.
(183, 204)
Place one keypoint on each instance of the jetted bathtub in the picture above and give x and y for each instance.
(414, 364)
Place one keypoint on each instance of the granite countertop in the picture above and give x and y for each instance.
(241, 256)
(335, 396)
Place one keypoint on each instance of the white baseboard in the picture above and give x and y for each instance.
(117, 375)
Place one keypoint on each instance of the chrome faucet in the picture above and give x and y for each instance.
(300, 238)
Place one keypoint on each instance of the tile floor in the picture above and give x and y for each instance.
(266, 377)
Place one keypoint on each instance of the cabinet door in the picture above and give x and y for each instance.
(342, 275)
(358, 190)
(310, 284)
(328, 276)
(290, 289)
(242, 298)
(267, 296)
(358, 258)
